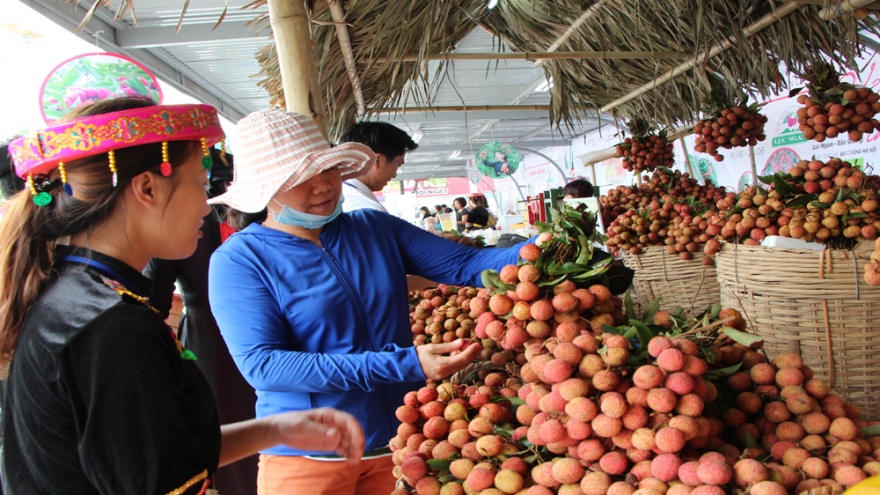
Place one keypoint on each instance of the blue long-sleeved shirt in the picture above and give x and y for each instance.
(313, 326)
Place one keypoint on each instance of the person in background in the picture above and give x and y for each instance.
(390, 144)
(9, 182)
(582, 188)
(579, 188)
(197, 329)
(447, 209)
(326, 320)
(461, 212)
(478, 218)
(102, 398)
(425, 213)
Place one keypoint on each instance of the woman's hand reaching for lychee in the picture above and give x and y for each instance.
(437, 364)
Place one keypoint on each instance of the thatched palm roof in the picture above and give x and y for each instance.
(391, 28)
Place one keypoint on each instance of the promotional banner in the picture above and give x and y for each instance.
(452, 186)
(497, 160)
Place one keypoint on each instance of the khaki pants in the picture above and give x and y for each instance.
(292, 475)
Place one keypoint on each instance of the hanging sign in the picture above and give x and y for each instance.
(473, 173)
(497, 160)
(91, 77)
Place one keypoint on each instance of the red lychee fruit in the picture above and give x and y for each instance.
(509, 274)
(714, 473)
(670, 360)
(613, 463)
(567, 471)
(528, 273)
(500, 304)
(528, 252)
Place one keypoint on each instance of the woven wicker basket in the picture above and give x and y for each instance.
(689, 284)
(814, 303)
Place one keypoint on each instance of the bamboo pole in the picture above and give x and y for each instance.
(539, 56)
(844, 7)
(687, 159)
(347, 55)
(296, 60)
(593, 172)
(590, 12)
(754, 166)
(468, 108)
(702, 57)
(602, 155)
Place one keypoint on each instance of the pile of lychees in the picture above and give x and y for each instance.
(578, 395)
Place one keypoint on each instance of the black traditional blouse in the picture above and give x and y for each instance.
(99, 398)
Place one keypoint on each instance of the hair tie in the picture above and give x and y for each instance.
(40, 187)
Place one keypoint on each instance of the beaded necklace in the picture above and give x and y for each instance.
(120, 289)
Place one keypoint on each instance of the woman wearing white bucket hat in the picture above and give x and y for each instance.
(313, 303)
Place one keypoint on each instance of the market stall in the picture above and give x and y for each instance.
(709, 383)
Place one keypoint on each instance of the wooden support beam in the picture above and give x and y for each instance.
(602, 155)
(590, 12)
(469, 108)
(532, 56)
(296, 60)
(700, 59)
(347, 55)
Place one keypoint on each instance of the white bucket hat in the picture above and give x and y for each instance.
(277, 150)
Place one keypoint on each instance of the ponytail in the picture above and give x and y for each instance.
(26, 257)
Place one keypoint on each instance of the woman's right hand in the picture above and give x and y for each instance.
(324, 429)
(437, 365)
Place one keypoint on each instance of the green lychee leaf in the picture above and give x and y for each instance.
(644, 333)
(439, 465)
(720, 373)
(516, 401)
(612, 330)
(819, 204)
(802, 200)
(651, 311)
(750, 442)
(871, 431)
(746, 339)
(766, 179)
(628, 306)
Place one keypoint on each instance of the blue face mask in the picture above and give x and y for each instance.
(289, 216)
